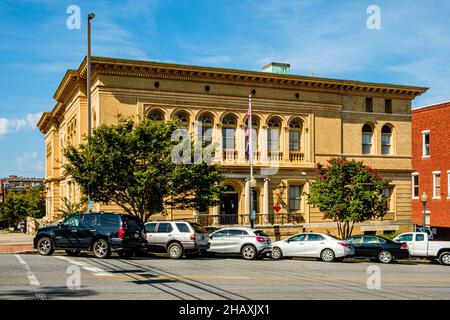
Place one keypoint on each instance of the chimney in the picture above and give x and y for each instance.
(277, 67)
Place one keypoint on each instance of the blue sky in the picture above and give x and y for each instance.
(317, 37)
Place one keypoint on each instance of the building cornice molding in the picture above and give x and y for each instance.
(158, 70)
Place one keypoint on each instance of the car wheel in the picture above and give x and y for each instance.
(444, 258)
(277, 254)
(73, 253)
(248, 252)
(327, 255)
(45, 246)
(385, 257)
(101, 249)
(175, 250)
(125, 254)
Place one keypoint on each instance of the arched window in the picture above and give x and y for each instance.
(207, 125)
(273, 136)
(367, 133)
(156, 116)
(183, 117)
(295, 129)
(386, 133)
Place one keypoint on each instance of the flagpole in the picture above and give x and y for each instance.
(250, 157)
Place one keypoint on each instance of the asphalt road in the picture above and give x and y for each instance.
(158, 277)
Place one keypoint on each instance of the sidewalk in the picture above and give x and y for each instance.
(15, 243)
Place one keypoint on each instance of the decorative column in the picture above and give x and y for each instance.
(217, 139)
(285, 144)
(195, 214)
(247, 201)
(264, 153)
(216, 213)
(266, 201)
(240, 142)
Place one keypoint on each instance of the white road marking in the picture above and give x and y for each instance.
(94, 270)
(34, 282)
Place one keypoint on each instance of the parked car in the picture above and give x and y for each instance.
(177, 238)
(249, 243)
(313, 245)
(378, 248)
(101, 233)
(420, 246)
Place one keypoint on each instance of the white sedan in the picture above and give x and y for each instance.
(312, 245)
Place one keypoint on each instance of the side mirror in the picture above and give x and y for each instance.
(287, 240)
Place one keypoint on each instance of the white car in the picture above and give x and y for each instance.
(249, 243)
(313, 245)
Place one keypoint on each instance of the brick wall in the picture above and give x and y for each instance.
(435, 118)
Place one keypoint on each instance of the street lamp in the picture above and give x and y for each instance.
(88, 92)
(424, 199)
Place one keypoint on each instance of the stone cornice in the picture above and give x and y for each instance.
(145, 69)
(158, 70)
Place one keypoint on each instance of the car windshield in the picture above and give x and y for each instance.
(198, 228)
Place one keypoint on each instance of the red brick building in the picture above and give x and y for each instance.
(431, 162)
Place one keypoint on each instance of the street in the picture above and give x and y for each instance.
(29, 276)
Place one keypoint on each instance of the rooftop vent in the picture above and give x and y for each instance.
(277, 67)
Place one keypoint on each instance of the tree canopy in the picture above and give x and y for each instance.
(348, 192)
(131, 164)
(21, 204)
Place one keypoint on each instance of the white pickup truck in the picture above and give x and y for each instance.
(421, 247)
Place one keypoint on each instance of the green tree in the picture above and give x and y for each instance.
(131, 165)
(68, 208)
(348, 192)
(19, 205)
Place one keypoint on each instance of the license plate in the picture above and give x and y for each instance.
(136, 235)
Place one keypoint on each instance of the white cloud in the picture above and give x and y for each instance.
(17, 124)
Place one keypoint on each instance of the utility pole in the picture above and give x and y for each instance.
(88, 93)
(250, 157)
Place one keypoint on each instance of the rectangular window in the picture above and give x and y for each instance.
(415, 185)
(294, 141)
(385, 143)
(294, 198)
(436, 184)
(228, 135)
(369, 105)
(206, 135)
(273, 140)
(367, 143)
(426, 143)
(387, 193)
(388, 106)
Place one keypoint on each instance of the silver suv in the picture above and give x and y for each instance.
(249, 243)
(177, 238)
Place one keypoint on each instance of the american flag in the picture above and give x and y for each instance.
(247, 134)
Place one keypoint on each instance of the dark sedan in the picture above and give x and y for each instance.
(378, 248)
